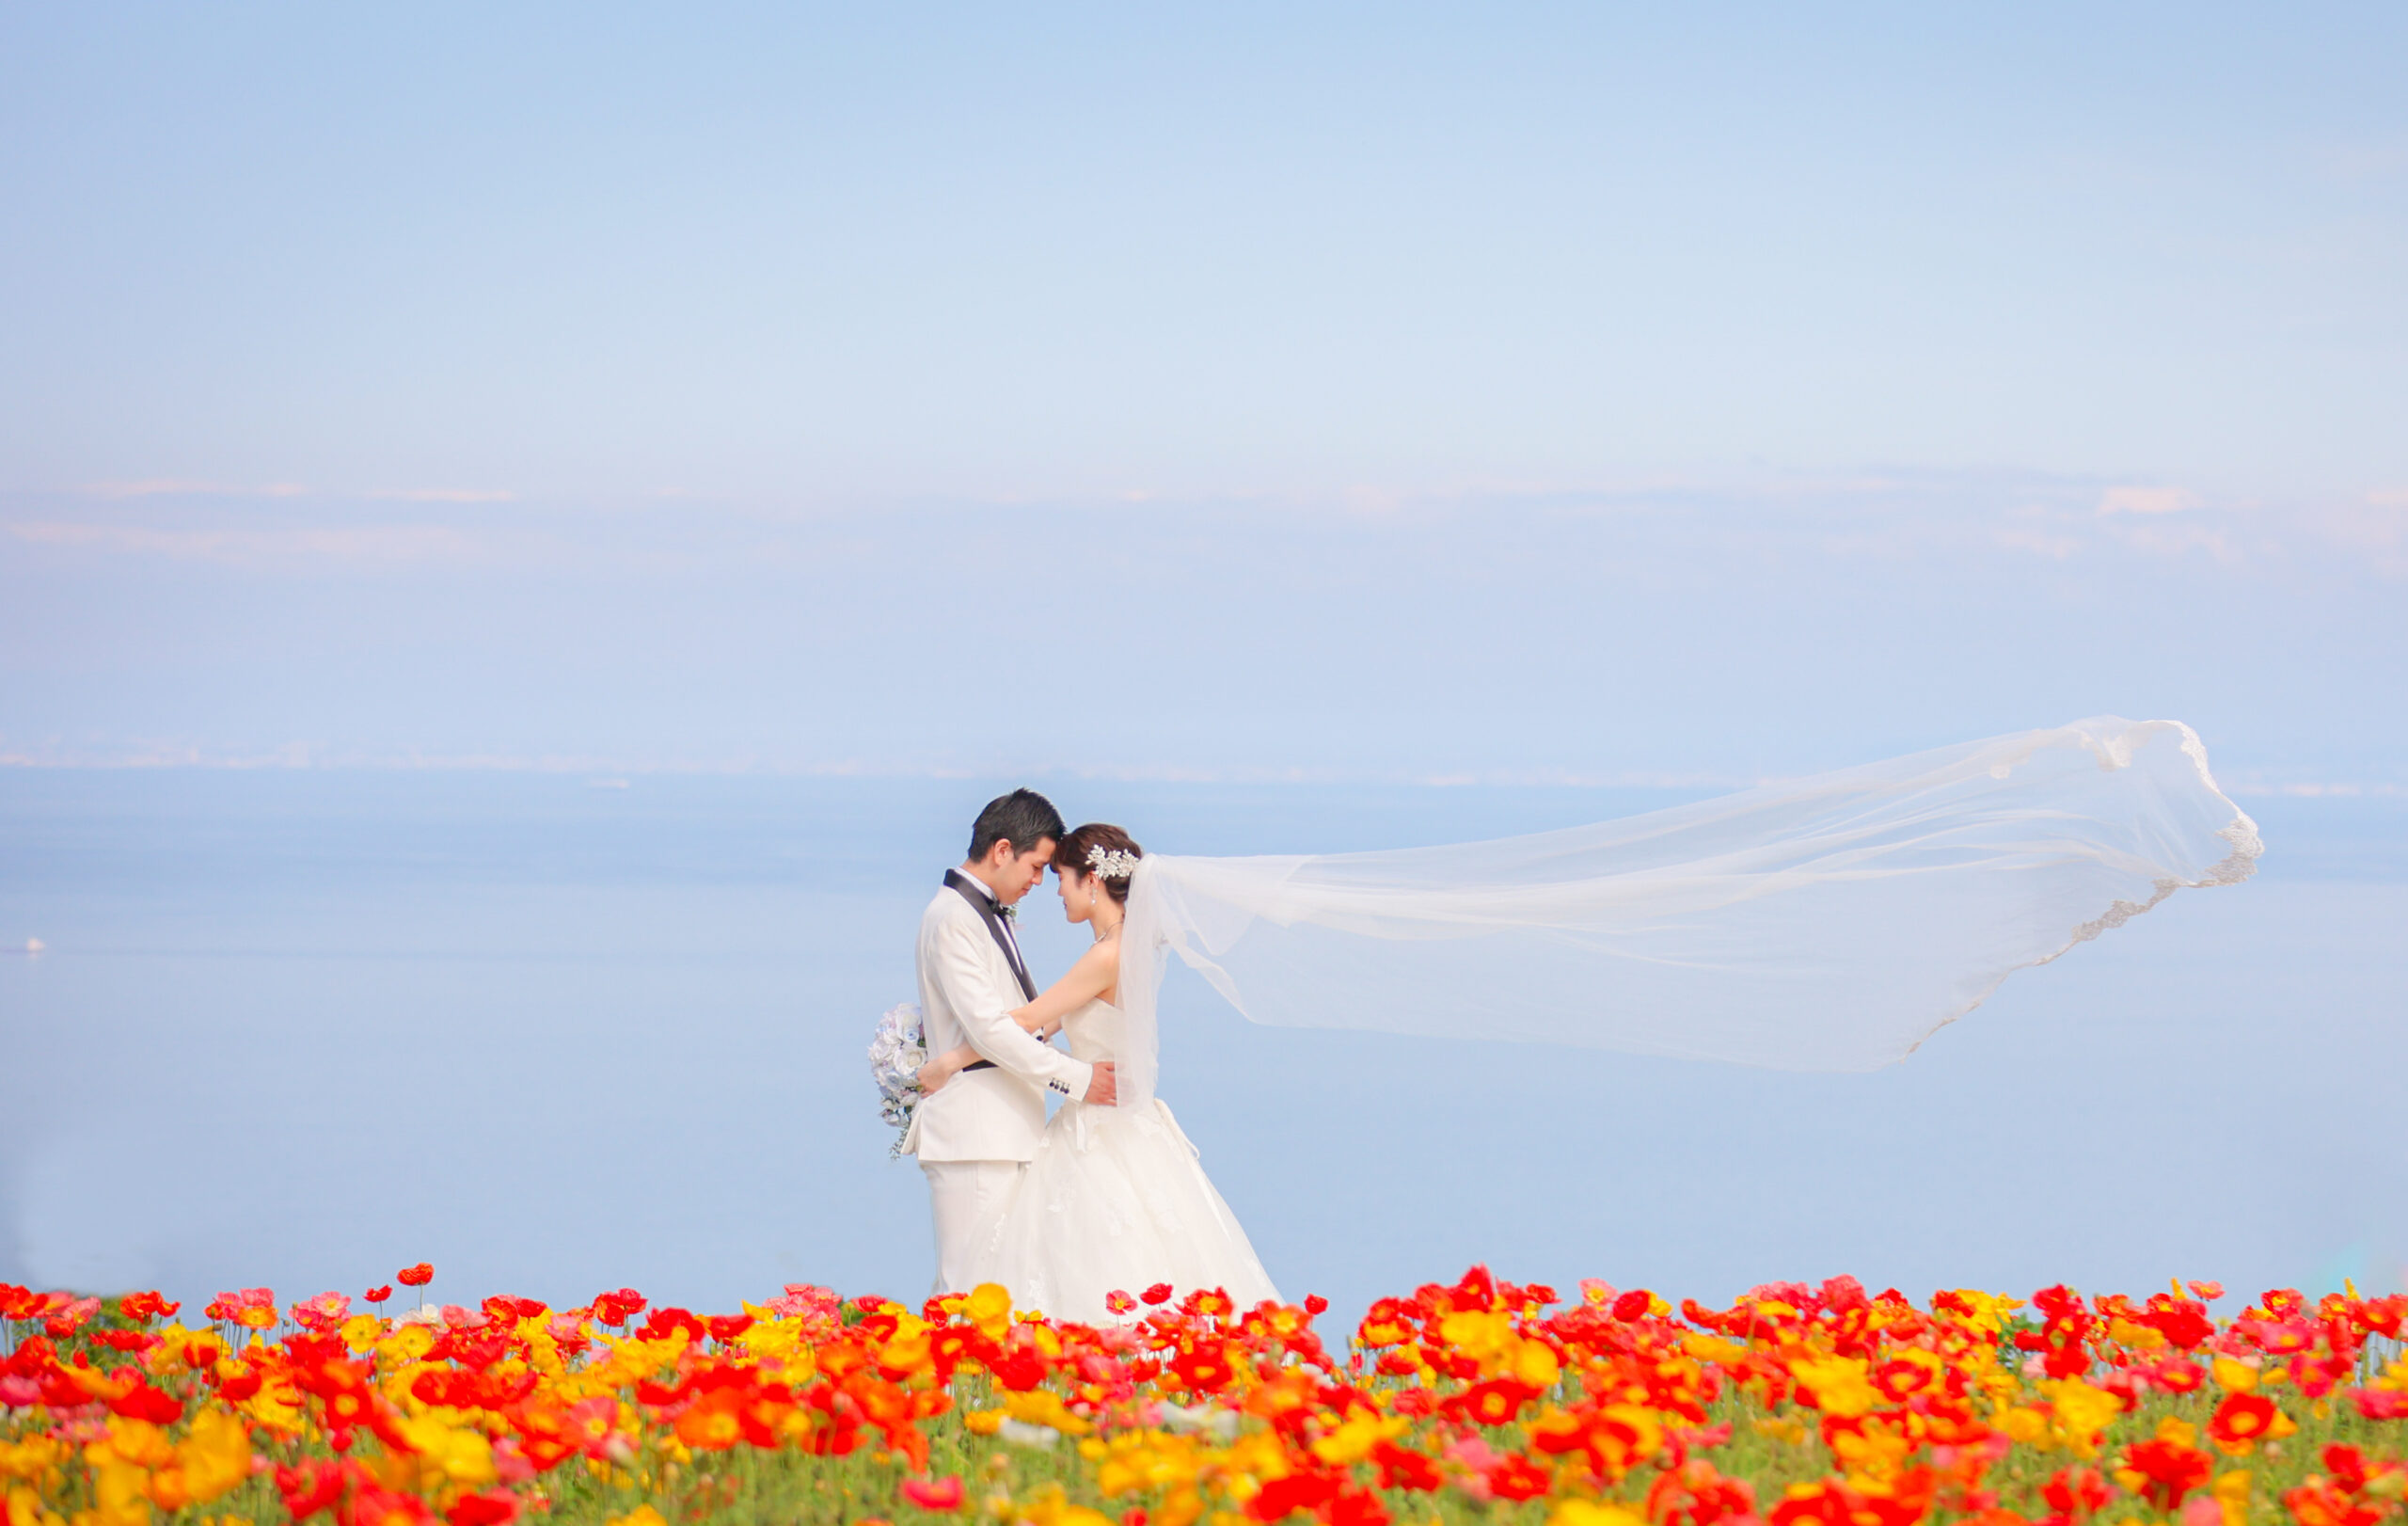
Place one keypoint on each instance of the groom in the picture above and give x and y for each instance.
(978, 1133)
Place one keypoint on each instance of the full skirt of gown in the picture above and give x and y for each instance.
(1116, 1201)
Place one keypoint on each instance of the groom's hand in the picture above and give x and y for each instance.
(1101, 1087)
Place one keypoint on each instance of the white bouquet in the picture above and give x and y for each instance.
(896, 1052)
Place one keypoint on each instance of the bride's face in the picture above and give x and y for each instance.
(1077, 892)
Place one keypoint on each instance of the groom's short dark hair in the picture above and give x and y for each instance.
(1023, 818)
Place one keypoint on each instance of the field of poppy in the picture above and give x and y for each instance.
(1795, 1406)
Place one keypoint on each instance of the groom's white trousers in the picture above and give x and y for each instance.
(967, 1197)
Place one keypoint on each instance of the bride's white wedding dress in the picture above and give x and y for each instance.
(1114, 1201)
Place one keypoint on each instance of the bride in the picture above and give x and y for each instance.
(1114, 1201)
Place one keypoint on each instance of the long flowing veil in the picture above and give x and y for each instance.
(1830, 923)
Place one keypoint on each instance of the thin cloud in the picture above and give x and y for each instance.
(2147, 501)
(251, 547)
(2182, 540)
(181, 488)
(2374, 529)
(192, 487)
(2056, 547)
(445, 495)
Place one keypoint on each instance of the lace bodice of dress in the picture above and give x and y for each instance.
(1094, 1030)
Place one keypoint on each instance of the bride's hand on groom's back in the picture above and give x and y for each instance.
(1102, 1089)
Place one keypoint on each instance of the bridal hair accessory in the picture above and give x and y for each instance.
(896, 1052)
(1111, 863)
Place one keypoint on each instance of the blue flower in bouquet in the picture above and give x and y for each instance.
(896, 1052)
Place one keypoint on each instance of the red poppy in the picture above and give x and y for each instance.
(615, 1308)
(1204, 1370)
(2071, 1360)
(2381, 1404)
(2075, 1492)
(241, 1384)
(494, 1507)
(1355, 1506)
(1516, 1477)
(667, 1318)
(416, 1277)
(441, 1386)
(2242, 1416)
(726, 1328)
(936, 1494)
(1402, 1467)
(2316, 1503)
(2346, 1465)
(143, 1402)
(145, 1307)
(1633, 1306)
(374, 1506)
(1496, 1401)
(378, 1295)
(1389, 1322)
(309, 1487)
(1018, 1370)
(1475, 1291)
(1282, 1497)
(1900, 1380)
(1210, 1302)
(1159, 1292)
(2184, 1324)
(2168, 1470)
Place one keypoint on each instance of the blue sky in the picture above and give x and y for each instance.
(1164, 403)
(1560, 391)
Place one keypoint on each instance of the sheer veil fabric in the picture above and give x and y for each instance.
(1832, 923)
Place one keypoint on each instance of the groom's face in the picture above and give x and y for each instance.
(1020, 873)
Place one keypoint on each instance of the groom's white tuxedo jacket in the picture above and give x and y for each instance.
(967, 993)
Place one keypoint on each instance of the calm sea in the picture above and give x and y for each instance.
(557, 1035)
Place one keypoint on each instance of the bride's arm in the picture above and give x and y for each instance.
(1097, 971)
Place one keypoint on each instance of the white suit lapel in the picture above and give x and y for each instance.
(1005, 944)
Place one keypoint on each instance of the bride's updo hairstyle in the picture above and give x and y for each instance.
(1103, 852)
